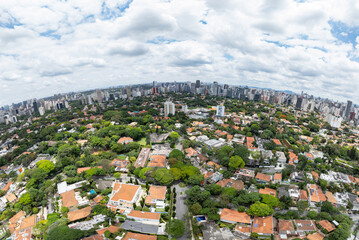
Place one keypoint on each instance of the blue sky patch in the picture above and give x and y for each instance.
(228, 56)
(51, 34)
(203, 22)
(278, 43)
(161, 39)
(344, 32)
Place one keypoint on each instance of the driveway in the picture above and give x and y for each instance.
(181, 208)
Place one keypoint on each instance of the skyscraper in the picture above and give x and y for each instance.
(348, 109)
(220, 110)
(169, 108)
(198, 83)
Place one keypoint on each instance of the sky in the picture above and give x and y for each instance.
(49, 46)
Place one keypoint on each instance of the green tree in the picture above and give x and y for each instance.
(177, 154)
(260, 209)
(176, 228)
(235, 162)
(270, 200)
(63, 232)
(196, 208)
(117, 175)
(164, 176)
(195, 179)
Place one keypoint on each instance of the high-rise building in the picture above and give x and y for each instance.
(348, 109)
(220, 110)
(198, 83)
(36, 109)
(298, 105)
(169, 108)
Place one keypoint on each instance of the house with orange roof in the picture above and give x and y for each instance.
(28, 222)
(10, 197)
(326, 225)
(138, 236)
(111, 228)
(68, 199)
(244, 230)
(315, 175)
(147, 217)
(263, 178)
(236, 184)
(124, 196)
(264, 226)
(234, 217)
(98, 199)
(157, 161)
(277, 142)
(7, 186)
(315, 236)
(268, 191)
(293, 158)
(79, 214)
(277, 178)
(303, 195)
(309, 156)
(305, 226)
(120, 164)
(80, 170)
(249, 143)
(156, 195)
(286, 227)
(331, 198)
(125, 140)
(213, 165)
(190, 152)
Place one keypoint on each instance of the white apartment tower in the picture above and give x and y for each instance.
(169, 108)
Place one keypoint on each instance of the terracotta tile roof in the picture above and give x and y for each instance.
(315, 175)
(23, 235)
(235, 216)
(263, 177)
(330, 197)
(321, 195)
(68, 199)
(94, 237)
(277, 142)
(10, 197)
(236, 184)
(315, 236)
(277, 176)
(138, 236)
(7, 186)
(309, 155)
(80, 170)
(98, 199)
(285, 225)
(16, 217)
(243, 229)
(157, 161)
(263, 225)
(124, 140)
(79, 214)
(327, 225)
(144, 215)
(202, 158)
(213, 164)
(303, 195)
(305, 225)
(191, 152)
(156, 192)
(28, 222)
(268, 191)
(124, 192)
(111, 228)
(207, 175)
(249, 143)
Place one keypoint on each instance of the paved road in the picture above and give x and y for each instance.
(181, 208)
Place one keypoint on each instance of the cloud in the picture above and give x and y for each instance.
(48, 47)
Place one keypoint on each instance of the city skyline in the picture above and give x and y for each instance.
(51, 47)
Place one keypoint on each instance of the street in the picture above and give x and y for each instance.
(181, 208)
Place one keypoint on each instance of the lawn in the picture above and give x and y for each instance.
(142, 141)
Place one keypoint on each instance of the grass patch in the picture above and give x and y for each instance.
(160, 210)
(121, 157)
(182, 185)
(142, 141)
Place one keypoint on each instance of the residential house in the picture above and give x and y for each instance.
(79, 214)
(156, 196)
(158, 161)
(68, 199)
(281, 157)
(305, 226)
(303, 195)
(263, 178)
(125, 140)
(236, 184)
(277, 178)
(331, 198)
(277, 142)
(250, 144)
(297, 177)
(326, 225)
(190, 152)
(215, 177)
(124, 196)
(316, 236)
(293, 158)
(286, 229)
(148, 217)
(264, 226)
(138, 236)
(142, 157)
(268, 191)
(234, 217)
(213, 165)
(120, 164)
(245, 174)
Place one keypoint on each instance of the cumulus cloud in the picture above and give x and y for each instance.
(59, 46)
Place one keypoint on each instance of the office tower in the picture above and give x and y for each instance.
(169, 108)
(348, 109)
(298, 105)
(220, 110)
(198, 83)
(99, 95)
(34, 105)
(154, 84)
